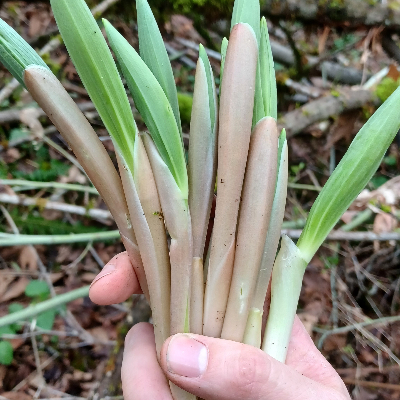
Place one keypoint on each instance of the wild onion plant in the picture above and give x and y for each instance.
(214, 287)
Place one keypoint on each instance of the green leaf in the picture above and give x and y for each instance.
(7, 330)
(37, 289)
(154, 54)
(46, 320)
(351, 175)
(15, 53)
(267, 72)
(224, 48)
(18, 133)
(247, 11)
(258, 111)
(96, 67)
(281, 144)
(153, 106)
(266, 97)
(15, 307)
(210, 85)
(6, 353)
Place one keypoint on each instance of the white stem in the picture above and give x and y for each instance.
(287, 277)
(177, 218)
(252, 334)
(255, 212)
(236, 106)
(274, 232)
(147, 251)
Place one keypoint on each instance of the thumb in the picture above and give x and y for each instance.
(221, 369)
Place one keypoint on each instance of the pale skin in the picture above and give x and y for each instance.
(212, 369)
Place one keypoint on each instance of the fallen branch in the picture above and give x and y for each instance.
(390, 46)
(296, 121)
(14, 115)
(7, 239)
(100, 215)
(353, 12)
(285, 55)
(29, 185)
(373, 385)
(371, 324)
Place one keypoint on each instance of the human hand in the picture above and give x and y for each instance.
(213, 368)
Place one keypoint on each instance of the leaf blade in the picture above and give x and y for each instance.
(97, 70)
(154, 54)
(15, 53)
(247, 11)
(152, 104)
(354, 171)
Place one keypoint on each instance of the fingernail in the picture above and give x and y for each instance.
(107, 270)
(187, 356)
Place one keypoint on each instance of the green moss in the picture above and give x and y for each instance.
(187, 6)
(386, 88)
(335, 93)
(185, 107)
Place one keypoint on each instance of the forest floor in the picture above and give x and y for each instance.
(331, 78)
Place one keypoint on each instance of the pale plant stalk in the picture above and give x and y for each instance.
(236, 106)
(254, 324)
(49, 93)
(252, 334)
(254, 217)
(159, 279)
(177, 219)
(202, 171)
(148, 251)
(287, 276)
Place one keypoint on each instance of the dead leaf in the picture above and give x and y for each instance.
(28, 258)
(383, 223)
(7, 190)
(82, 376)
(183, 26)
(35, 25)
(16, 290)
(393, 72)
(56, 276)
(74, 175)
(335, 342)
(52, 215)
(309, 321)
(16, 343)
(348, 216)
(3, 370)
(364, 394)
(388, 193)
(11, 155)
(343, 128)
(322, 39)
(30, 117)
(5, 280)
(88, 277)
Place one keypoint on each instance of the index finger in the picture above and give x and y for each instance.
(116, 282)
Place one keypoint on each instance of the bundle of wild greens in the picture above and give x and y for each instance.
(216, 288)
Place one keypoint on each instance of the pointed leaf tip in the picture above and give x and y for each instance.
(15, 53)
